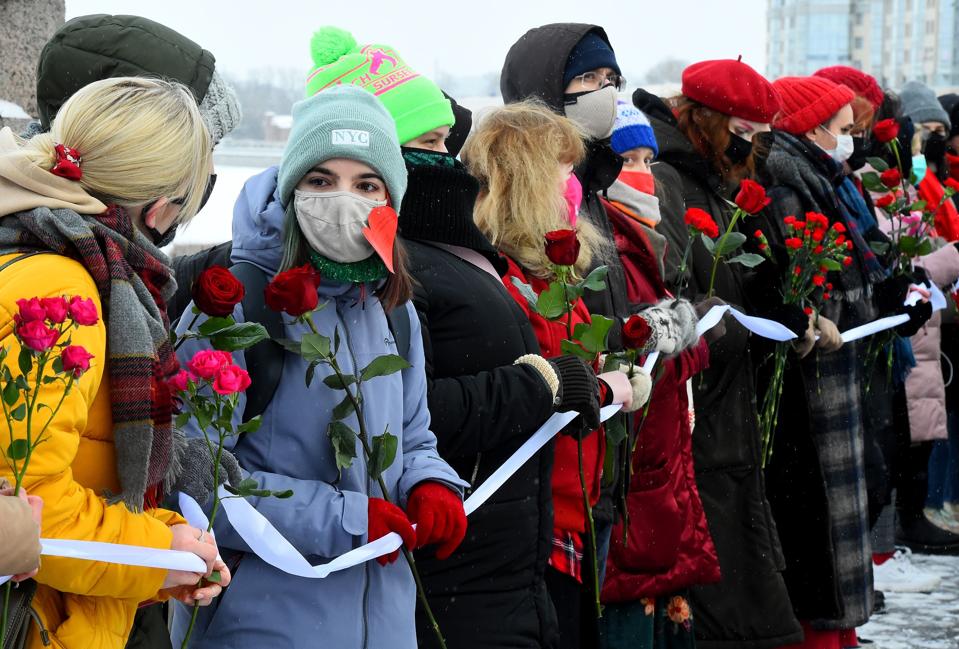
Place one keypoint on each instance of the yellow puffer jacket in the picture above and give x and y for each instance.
(83, 604)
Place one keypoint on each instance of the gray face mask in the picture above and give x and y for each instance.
(594, 111)
(333, 223)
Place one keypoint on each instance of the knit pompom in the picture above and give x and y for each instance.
(329, 44)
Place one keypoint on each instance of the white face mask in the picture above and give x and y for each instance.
(333, 223)
(845, 146)
(594, 112)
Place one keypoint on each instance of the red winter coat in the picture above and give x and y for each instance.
(668, 546)
(568, 512)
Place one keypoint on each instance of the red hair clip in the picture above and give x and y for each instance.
(68, 163)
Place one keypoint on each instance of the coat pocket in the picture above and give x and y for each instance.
(655, 525)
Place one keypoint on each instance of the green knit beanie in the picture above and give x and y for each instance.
(342, 122)
(416, 103)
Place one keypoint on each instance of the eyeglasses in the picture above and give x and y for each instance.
(596, 80)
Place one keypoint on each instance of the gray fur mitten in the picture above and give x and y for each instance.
(674, 326)
(196, 470)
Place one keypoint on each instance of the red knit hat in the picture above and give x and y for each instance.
(732, 88)
(808, 102)
(864, 85)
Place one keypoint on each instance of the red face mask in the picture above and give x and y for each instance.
(641, 181)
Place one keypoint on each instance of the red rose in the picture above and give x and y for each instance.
(562, 247)
(75, 359)
(216, 291)
(636, 333)
(751, 198)
(56, 308)
(31, 310)
(818, 280)
(701, 221)
(847, 261)
(206, 363)
(890, 178)
(231, 379)
(886, 130)
(83, 311)
(37, 336)
(181, 382)
(794, 243)
(885, 201)
(294, 291)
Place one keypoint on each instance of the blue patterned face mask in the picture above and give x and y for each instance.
(919, 167)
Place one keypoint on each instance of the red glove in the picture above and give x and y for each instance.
(384, 518)
(438, 514)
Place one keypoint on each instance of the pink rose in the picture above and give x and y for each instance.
(31, 310)
(76, 360)
(83, 311)
(231, 379)
(181, 382)
(205, 364)
(56, 308)
(37, 336)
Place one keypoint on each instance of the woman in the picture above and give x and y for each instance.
(523, 155)
(86, 194)
(667, 547)
(342, 160)
(708, 142)
(492, 592)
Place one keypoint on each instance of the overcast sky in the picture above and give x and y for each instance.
(456, 37)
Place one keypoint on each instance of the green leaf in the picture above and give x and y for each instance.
(878, 164)
(343, 409)
(239, 336)
(732, 243)
(247, 483)
(913, 178)
(551, 303)
(214, 325)
(25, 361)
(918, 206)
(384, 366)
(343, 440)
(283, 494)
(336, 383)
(382, 454)
(747, 259)
(315, 347)
(19, 413)
(594, 336)
(616, 430)
(311, 373)
(204, 414)
(708, 243)
(250, 426)
(832, 264)
(871, 181)
(924, 248)
(57, 365)
(596, 280)
(289, 345)
(569, 347)
(908, 245)
(231, 489)
(214, 577)
(879, 247)
(10, 393)
(18, 449)
(526, 291)
(183, 419)
(336, 341)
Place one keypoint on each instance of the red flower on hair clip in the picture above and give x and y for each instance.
(68, 163)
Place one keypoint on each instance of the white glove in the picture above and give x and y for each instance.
(642, 386)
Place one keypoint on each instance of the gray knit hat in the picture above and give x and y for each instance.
(220, 109)
(342, 122)
(920, 103)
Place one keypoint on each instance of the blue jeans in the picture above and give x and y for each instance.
(944, 467)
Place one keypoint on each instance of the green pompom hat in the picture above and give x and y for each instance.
(415, 102)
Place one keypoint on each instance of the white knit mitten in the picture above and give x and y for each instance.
(642, 386)
(674, 326)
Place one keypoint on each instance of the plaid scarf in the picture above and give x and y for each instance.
(135, 282)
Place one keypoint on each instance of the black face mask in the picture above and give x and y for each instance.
(163, 239)
(738, 149)
(934, 148)
(860, 151)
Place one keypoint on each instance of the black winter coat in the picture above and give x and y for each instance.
(187, 268)
(750, 607)
(491, 592)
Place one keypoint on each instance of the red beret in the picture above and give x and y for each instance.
(808, 102)
(731, 88)
(864, 85)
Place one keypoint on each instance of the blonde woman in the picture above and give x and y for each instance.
(124, 157)
(523, 155)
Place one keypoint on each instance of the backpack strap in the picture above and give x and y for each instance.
(18, 257)
(264, 361)
(398, 320)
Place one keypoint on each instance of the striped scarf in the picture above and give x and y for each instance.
(135, 282)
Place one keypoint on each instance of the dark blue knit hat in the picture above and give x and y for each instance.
(591, 52)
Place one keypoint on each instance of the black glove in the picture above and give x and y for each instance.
(196, 471)
(919, 314)
(891, 293)
(579, 391)
(702, 308)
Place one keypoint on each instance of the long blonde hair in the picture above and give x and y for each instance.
(514, 153)
(140, 139)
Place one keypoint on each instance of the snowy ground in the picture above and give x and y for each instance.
(919, 621)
